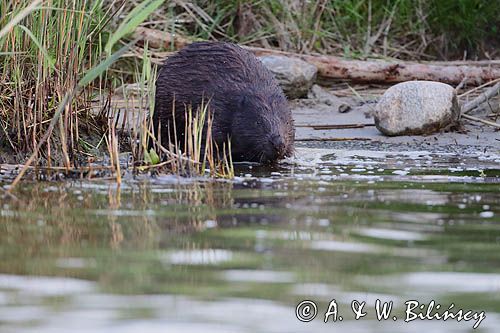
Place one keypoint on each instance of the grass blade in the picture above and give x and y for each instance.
(25, 12)
(104, 65)
(42, 49)
(133, 19)
(89, 77)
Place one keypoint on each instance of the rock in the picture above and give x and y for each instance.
(295, 76)
(416, 107)
(325, 97)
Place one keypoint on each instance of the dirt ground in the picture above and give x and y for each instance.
(317, 121)
(317, 114)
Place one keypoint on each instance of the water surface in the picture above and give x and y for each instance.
(167, 254)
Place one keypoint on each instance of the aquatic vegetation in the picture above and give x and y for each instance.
(56, 67)
(53, 65)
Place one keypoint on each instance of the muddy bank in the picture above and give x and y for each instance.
(344, 122)
(307, 117)
(318, 121)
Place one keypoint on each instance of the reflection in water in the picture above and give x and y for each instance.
(449, 282)
(199, 257)
(179, 255)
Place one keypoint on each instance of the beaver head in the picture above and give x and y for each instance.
(262, 128)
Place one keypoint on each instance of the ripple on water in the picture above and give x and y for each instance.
(335, 221)
(247, 275)
(46, 286)
(22, 314)
(401, 235)
(433, 283)
(337, 246)
(327, 291)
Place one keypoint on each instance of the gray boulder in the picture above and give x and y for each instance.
(416, 107)
(295, 76)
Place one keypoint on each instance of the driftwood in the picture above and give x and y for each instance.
(330, 67)
(478, 101)
(482, 98)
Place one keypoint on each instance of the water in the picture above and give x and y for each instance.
(175, 255)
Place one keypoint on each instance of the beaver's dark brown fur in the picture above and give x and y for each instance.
(247, 105)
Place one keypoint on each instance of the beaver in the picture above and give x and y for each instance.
(243, 97)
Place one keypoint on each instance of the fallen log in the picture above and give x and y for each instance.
(378, 71)
(331, 67)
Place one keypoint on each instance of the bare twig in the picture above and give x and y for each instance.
(461, 84)
(333, 139)
(487, 122)
(359, 97)
(332, 127)
(478, 87)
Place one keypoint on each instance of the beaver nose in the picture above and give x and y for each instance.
(278, 145)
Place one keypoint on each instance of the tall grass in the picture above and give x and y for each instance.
(58, 58)
(199, 152)
(52, 65)
(55, 57)
(43, 58)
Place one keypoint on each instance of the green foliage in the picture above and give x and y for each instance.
(132, 20)
(151, 157)
(466, 23)
(46, 51)
(402, 28)
(52, 65)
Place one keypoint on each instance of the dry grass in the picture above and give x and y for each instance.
(405, 29)
(198, 154)
(58, 57)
